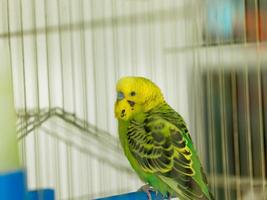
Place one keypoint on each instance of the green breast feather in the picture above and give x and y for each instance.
(159, 148)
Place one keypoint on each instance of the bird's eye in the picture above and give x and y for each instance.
(120, 96)
(133, 93)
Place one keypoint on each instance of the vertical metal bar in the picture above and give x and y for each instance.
(236, 135)
(36, 131)
(55, 139)
(57, 166)
(153, 41)
(84, 84)
(247, 111)
(259, 86)
(224, 136)
(200, 27)
(191, 70)
(94, 61)
(163, 42)
(149, 6)
(69, 170)
(106, 64)
(80, 172)
(104, 178)
(220, 41)
(101, 176)
(47, 167)
(248, 128)
(89, 176)
(24, 81)
(72, 59)
(60, 31)
(194, 72)
(60, 52)
(115, 39)
(212, 150)
(84, 65)
(197, 75)
(211, 130)
(262, 150)
(47, 55)
(264, 117)
(133, 40)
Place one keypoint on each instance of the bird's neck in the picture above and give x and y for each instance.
(155, 106)
(153, 102)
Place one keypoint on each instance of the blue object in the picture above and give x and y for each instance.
(13, 185)
(134, 196)
(220, 18)
(43, 194)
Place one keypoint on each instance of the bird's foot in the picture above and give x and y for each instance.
(147, 189)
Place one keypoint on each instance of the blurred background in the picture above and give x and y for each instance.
(208, 56)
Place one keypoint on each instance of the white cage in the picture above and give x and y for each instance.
(66, 56)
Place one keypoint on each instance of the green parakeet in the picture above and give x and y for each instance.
(156, 141)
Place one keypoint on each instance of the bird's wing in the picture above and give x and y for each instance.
(163, 149)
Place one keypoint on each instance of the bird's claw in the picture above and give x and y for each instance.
(147, 189)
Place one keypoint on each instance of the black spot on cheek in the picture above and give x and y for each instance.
(132, 103)
(122, 113)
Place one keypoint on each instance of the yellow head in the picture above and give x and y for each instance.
(134, 95)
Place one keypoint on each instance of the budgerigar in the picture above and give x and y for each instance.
(156, 141)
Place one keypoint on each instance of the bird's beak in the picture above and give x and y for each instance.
(121, 109)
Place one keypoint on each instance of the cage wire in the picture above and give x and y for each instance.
(209, 58)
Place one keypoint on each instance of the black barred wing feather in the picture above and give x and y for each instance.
(161, 148)
(152, 151)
